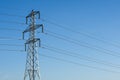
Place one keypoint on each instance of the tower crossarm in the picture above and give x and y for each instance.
(33, 28)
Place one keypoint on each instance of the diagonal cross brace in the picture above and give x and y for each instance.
(34, 40)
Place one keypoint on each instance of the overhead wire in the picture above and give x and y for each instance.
(62, 60)
(82, 45)
(75, 63)
(14, 22)
(12, 50)
(67, 37)
(6, 14)
(11, 29)
(52, 57)
(11, 8)
(58, 25)
(11, 44)
(10, 38)
(81, 57)
(43, 20)
(81, 33)
(12, 15)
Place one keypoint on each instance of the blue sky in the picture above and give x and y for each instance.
(97, 18)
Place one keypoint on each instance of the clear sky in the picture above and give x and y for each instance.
(97, 18)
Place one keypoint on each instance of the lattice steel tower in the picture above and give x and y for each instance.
(31, 46)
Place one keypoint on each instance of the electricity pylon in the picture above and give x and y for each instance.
(31, 46)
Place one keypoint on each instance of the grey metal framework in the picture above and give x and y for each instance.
(31, 46)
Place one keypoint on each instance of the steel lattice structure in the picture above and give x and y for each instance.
(31, 46)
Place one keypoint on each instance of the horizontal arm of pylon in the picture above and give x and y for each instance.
(33, 13)
(31, 29)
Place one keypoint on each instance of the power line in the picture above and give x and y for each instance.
(10, 8)
(10, 38)
(12, 50)
(64, 61)
(10, 29)
(83, 65)
(12, 15)
(81, 33)
(14, 22)
(86, 46)
(67, 37)
(66, 51)
(11, 45)
(63, 52)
